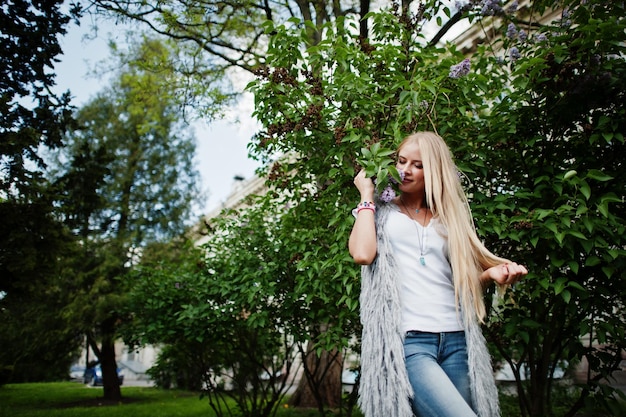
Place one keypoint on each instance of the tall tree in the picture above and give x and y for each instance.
(32, 240)
(130, 181)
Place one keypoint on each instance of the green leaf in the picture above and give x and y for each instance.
(585, 190)
(608, 271)
(603, 208)
(577, 235)
(592, 261)
(560, 285)
(569, 174)
(534, 240)
(552, 227)
(543, 214)
(598, 175)
(608, 136)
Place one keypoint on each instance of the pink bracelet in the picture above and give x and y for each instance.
(366, 205)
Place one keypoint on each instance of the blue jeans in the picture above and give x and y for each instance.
(438, 372)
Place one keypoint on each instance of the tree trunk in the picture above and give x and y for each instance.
(320, 385)
(110, 381)
(363, 28)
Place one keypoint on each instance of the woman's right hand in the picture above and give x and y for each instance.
(365, 186)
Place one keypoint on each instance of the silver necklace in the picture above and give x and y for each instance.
(422, 237)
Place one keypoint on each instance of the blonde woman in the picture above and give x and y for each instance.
(424, 271)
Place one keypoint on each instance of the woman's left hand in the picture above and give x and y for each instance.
(505, 274)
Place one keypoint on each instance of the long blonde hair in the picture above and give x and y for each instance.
(447, 200)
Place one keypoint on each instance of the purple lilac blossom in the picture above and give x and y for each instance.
(461, 69)
(565, 18)
(388, 194)
(511, 31)
(491, 8)
(522, 35)
(460, 5)
(514, 54)
(541, 37)
(513, 7)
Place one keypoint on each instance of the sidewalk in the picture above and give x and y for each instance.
(138, 383)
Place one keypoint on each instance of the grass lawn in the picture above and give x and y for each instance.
(73, 399)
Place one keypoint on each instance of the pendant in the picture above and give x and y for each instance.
(422, 261)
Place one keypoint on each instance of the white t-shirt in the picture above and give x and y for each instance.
(426, 291)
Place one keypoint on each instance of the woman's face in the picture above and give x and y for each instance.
(410, 162)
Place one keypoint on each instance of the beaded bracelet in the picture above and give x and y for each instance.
(366, 205)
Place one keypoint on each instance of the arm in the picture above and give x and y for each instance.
(362, 243)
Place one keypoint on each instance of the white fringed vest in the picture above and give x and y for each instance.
(384, 389)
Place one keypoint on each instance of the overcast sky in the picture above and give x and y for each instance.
(221, 147)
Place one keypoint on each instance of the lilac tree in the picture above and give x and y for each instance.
(535, 118)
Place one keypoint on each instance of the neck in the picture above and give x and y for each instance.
(414, 201)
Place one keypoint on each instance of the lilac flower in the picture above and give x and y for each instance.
(460, 5)
(491, 8)
(514, 54)
(388, 194)
(512, 7)
(461, 69)
(522, 35)
(511, 31)
(541, 37)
